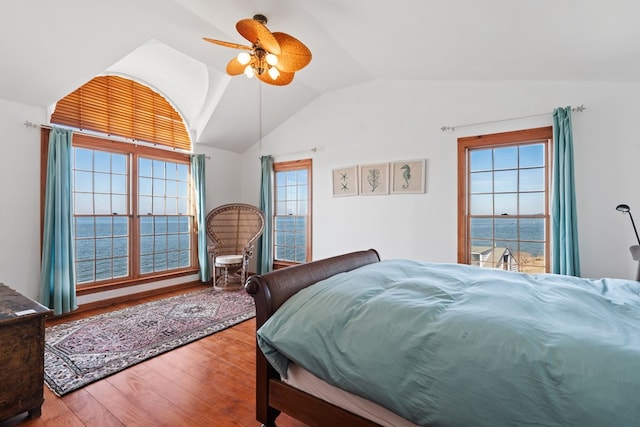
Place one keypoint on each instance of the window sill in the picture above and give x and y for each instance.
(102, 287)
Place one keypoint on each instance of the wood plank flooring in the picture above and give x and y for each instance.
(210, 382)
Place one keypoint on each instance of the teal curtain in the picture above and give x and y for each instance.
(565, 257)
(57, 275)
(197, 171)
(265, 245)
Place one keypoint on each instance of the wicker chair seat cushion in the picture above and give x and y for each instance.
(228, 259)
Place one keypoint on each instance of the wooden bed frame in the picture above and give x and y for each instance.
(270, 291)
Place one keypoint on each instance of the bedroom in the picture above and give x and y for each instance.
(358, 104)
(369, 115)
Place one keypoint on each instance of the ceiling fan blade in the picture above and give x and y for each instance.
(227, 44)
(283, 79)
(256, 32)
(235, 68)
(294, 54)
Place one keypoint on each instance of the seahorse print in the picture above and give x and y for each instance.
(406, 175)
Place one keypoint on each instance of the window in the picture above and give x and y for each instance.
(133, 214)
(163, 209)
(292, 218)
(101, 214)
(503, 189)
(117, 106)
(132, 211)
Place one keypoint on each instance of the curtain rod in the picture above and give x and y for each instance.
(313, 150)
(112, 138)
(578, 109)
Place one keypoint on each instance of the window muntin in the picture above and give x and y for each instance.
(101, 220)
(102, 250)
(292, 225)
(123, 231)
(503, 218)
(163, 205)
(165, 243)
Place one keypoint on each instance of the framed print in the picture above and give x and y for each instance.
(408, 176)
(345, 181)
(374, 179)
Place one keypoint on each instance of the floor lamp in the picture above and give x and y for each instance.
(635, 249)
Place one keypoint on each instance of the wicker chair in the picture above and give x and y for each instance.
(233, 229)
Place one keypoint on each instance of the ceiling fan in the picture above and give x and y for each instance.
(273, 58)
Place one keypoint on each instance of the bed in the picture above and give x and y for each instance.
(467, 346)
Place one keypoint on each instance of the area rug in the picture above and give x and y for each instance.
(80, 352)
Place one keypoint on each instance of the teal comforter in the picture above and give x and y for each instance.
(454, 345)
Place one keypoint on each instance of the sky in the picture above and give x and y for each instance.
(508, 180)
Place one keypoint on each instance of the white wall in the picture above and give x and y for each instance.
(401, 120)
(223, 170)
(20, 195)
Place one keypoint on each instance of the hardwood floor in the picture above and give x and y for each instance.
(210, 382)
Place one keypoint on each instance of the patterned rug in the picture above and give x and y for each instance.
(83, 351)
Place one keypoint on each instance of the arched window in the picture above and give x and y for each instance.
(133, 210)
(121, 107)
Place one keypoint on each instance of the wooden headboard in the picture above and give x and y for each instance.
(270, 291)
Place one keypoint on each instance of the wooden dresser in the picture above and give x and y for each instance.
(21, 354)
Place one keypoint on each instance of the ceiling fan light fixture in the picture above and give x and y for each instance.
(266, 51)
(274, 73)
(271, 59)
(244, 58)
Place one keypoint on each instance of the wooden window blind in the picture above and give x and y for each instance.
(121, 107)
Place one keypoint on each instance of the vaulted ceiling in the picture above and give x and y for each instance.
(49, 48)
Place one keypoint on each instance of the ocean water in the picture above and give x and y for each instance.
(518, 235)
(165, 242)
(102, 245)
(290, 238)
